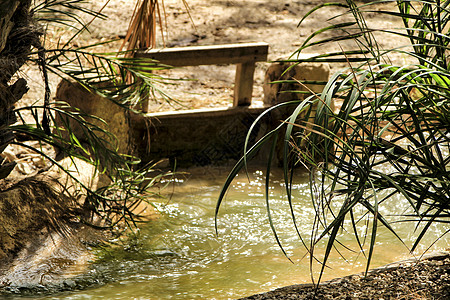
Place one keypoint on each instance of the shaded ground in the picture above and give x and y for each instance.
(216, 22)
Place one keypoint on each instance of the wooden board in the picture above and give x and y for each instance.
(243, 84)
(208, 55)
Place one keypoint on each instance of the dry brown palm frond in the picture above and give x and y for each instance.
(141, 32)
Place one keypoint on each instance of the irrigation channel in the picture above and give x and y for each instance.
(179, 256)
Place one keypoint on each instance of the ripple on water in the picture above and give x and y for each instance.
(180, 256)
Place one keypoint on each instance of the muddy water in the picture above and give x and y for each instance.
(180, 257)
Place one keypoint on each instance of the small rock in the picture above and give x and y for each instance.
(25, 168)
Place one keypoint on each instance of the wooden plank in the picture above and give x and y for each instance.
(208, 55)
(243, 84)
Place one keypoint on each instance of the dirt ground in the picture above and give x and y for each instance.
(214, 22)
(205, 22)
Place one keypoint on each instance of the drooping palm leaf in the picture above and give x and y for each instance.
(122, 80)
(390, 136)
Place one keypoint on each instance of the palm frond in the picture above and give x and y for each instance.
(390, 136)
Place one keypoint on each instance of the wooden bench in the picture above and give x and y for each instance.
(244, 55)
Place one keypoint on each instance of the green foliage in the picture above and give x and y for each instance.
(390, 136)
(122, 80)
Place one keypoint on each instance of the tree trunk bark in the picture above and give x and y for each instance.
(17, 35)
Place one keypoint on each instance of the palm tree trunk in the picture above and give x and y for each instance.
(16, 38)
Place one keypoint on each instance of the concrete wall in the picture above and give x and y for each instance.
(200, 137)
(196, 137)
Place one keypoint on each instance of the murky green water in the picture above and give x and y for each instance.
(179, 256)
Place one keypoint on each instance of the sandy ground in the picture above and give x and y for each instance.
(213, 22)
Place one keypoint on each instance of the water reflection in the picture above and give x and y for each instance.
(179, 256)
